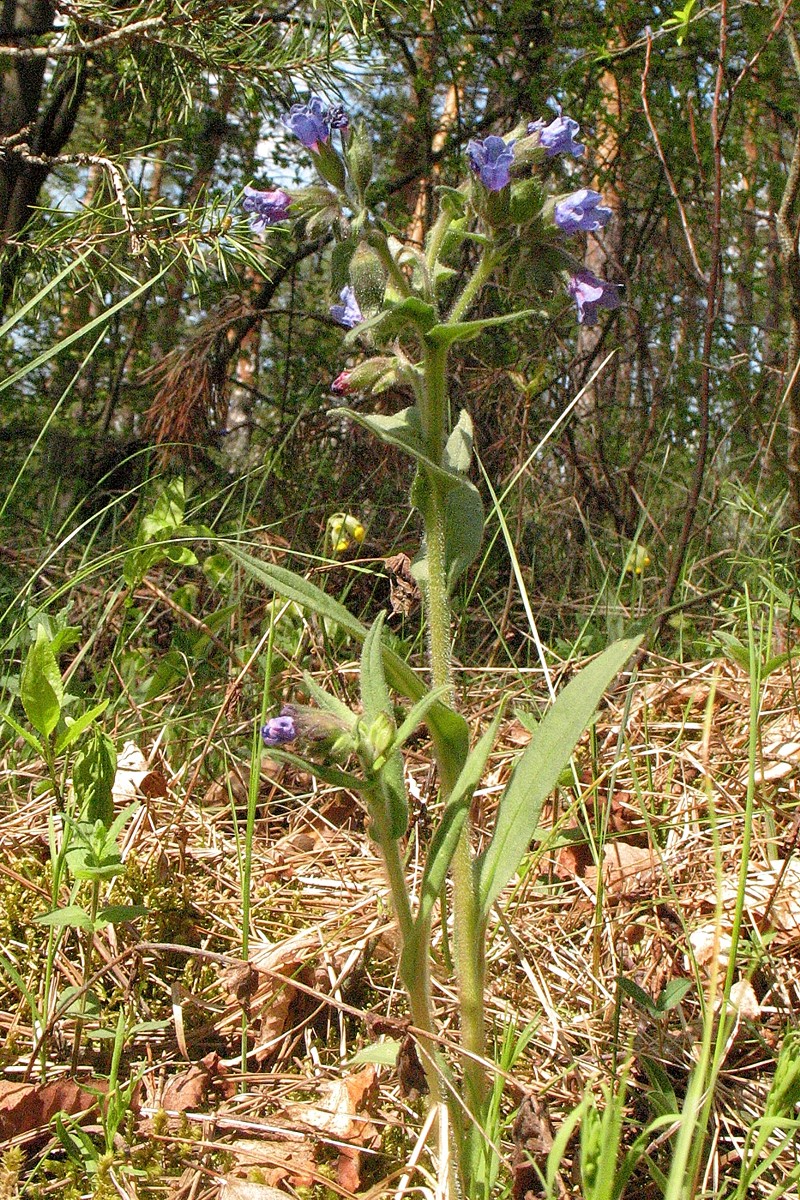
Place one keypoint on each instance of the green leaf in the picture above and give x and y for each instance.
(93, 779)
(458, 450)
(448, 728)
(417, 715)
(734, 650)
(41, 689)
(464, 521)
(376, 702)
(639, 996)
(463, 331)
(30, 738)
(75, 728)
(330, 703)
(384, 1053)
(72, 917)
(336, 778)
(388, 323)
(401, 429)
(672, 994)
(447, 832)
(115, 913)
(374, 692)
(537, 771)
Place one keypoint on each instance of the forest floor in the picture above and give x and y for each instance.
(591, 970)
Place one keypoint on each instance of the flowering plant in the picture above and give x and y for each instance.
(408, 307)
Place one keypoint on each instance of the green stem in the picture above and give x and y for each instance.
(414, 957)
(468, 931)
(379, 243)
(436, 237)
(88, 951)
(486, 265)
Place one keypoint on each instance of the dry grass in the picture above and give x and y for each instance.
(321, 984)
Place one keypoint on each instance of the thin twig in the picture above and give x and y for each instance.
(700, 275)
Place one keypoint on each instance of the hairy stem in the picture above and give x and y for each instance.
(467, 925)
(486, 265)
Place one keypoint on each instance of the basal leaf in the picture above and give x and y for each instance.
(537, 771)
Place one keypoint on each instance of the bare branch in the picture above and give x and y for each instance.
(116, 176)
(71, 49)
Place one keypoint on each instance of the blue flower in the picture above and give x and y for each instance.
(591, 293)
(491, 160)
(309, 122)
(281, 730)
(558, 136)
(582, 212)
(266, 208)
(347, 313)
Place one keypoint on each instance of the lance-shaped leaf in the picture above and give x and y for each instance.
(449, 730)
(377, 705)
(463, 331)
(537, 771)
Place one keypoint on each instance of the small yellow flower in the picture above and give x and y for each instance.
(638, 559)
(343, 530)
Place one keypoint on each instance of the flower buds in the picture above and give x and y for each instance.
(359, 158)
(368, 277)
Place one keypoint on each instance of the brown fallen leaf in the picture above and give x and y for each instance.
(273, 1004)
(277, 1161)
(336, 1112)
(410, 1071)
(626, 868)
(25, 1107)
(190, 1089)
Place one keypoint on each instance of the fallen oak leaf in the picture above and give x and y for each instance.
(25, 1107)
(190, 1089)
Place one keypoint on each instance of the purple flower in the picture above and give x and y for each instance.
(265, 208)
(309, 122)
(558, 136)
(281, 730)
(582, 212)
(347, 313)
(491, 160)
(591, 293)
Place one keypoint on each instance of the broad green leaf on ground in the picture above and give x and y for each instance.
(537, 771)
